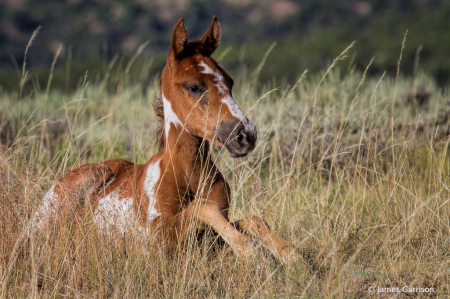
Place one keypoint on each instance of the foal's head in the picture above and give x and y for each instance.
(196, 93)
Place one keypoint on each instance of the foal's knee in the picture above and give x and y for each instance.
(209, 209)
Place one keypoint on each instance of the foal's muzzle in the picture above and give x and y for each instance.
(238, 137)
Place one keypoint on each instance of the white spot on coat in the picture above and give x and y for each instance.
(47, 207)
(112, 211)
(169, 117)
(150, 188)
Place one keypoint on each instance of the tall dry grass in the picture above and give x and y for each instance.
(353, 170)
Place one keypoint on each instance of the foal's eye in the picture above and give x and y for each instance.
(194, 89)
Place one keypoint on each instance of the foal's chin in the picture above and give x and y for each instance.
(235, 156)
(237, 153)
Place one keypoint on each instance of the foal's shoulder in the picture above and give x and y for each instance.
(155, 158)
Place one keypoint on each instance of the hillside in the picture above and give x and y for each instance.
(308, 34)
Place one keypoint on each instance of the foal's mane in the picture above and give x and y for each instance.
(159, 129)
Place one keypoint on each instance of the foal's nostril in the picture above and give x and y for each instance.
(238, 138)
(242, 137)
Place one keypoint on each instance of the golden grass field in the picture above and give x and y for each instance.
(352, 170)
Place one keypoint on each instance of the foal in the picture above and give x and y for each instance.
(180, 188)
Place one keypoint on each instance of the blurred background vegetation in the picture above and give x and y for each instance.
(354, 170)
(101, 34)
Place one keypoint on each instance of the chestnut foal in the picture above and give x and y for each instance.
(180, 188)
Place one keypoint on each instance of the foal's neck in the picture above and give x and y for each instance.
(184, 151)
(187, 156)
(184, 148)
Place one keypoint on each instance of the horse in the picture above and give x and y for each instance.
(180, 189)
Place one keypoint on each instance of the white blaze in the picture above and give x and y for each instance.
(235, 110)
(221, 87)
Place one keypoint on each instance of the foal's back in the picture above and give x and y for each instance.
(114, 190)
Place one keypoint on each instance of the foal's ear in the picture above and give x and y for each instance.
(179, 38)
(211, 39)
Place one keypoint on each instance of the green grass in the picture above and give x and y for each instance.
(353, 171)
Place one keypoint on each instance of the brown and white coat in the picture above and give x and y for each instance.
(180, 185)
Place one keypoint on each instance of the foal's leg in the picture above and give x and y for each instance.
(257, 227)
(202, 213)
